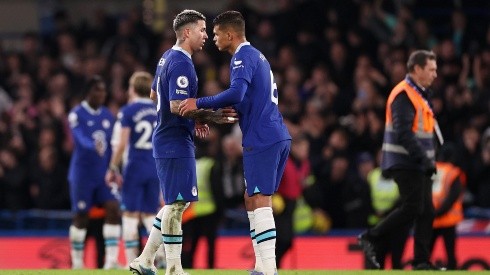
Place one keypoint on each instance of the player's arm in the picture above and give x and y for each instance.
(78, 133)
(153, 96)
(229, 97)
(113, 173)
(220, 116)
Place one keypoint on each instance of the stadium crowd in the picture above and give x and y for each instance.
(334, 63)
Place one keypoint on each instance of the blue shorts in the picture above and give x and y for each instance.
(177, 179)
(87, 193)
(141, 188)
(263, 171)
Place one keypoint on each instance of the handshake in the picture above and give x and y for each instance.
(188, 108)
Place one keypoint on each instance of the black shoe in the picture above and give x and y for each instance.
(427, 266)
(368, 249)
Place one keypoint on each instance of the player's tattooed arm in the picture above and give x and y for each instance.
(220, 116)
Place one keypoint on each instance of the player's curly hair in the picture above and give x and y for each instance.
(186, 17)
(233, 19)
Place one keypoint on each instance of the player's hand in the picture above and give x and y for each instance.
(187, 105)
(112, 176)
(202, 130)
(225, 115)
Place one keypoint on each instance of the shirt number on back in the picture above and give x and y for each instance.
(145, 128)
(274, 95)
(158, 93)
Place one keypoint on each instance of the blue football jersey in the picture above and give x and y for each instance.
(88, 126)
(260, 120)
(141, 117)
(175, 79)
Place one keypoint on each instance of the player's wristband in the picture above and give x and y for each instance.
(114, 168)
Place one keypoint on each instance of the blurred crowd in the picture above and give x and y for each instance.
(334, 63)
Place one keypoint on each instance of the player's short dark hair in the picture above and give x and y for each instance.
(419, 58)
(141, 82)
(233, 19)
(186, 17)
(92, 82)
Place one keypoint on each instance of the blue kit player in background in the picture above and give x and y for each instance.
(173, 141)
(140, 187)
(266, 140)
(91, 125)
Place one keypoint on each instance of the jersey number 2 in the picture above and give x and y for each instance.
(144, 142)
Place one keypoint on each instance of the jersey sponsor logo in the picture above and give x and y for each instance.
(182, 81)
(106, 124)
(237, 62)
(181, 92)
(194, 191)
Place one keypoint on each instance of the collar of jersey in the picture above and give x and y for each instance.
(177, 48)
(142, 100)
(241, 45)
(89, 109)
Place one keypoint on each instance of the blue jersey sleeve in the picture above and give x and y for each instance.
(124, 117)
(180, 78)
(78, 132)
(229, 97)
(242, 67)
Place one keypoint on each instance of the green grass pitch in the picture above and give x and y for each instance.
(232, 272)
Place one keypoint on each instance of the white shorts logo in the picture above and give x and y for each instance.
(182, 81)
(194, 191)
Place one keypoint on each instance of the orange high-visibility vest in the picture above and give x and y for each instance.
(446, 175)
(423, 127)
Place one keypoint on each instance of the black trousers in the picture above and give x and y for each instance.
(448, 234)
(393, 245)
(416, 208)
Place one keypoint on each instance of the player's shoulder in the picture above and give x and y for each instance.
(249, 54)
(77, 114)
(76, 109)
(125, 109)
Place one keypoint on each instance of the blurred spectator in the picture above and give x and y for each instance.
(447, 196)
(482, 174)
(385, 198)
(13, 178)
(227, 175)
(47, 178)
(284, 201)
(202, 218)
